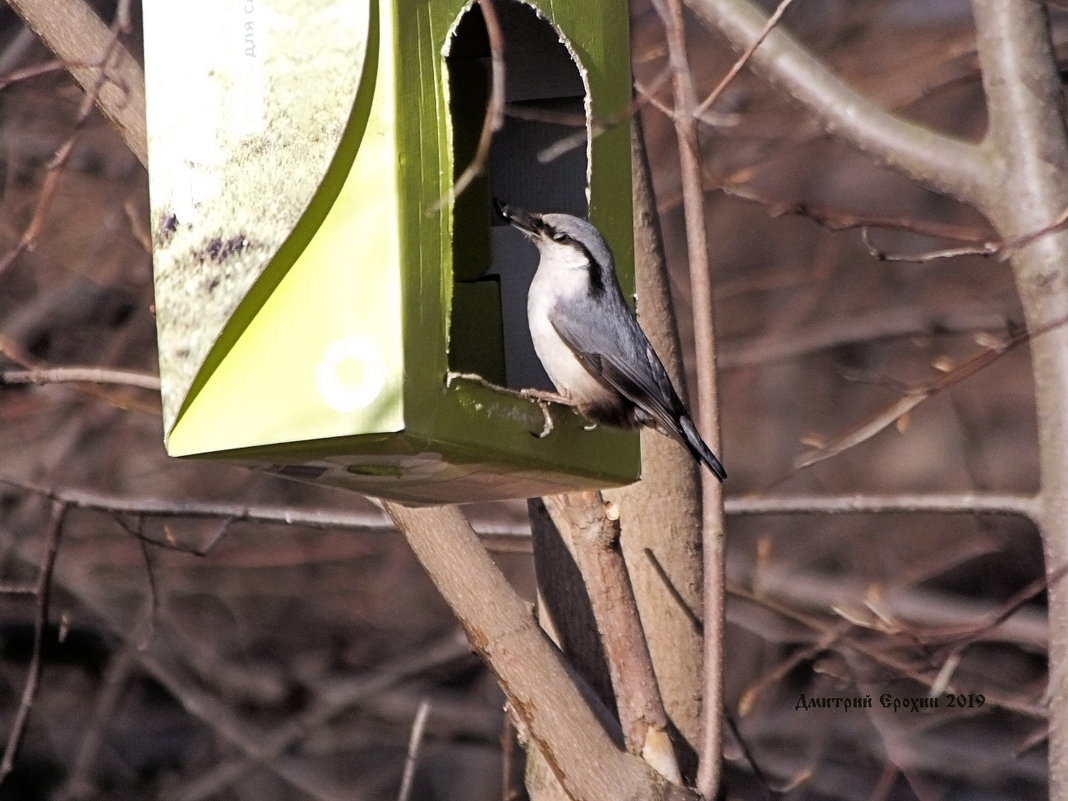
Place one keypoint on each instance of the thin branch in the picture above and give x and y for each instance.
(16, 588)
(93, 91)
(78, 38)
(928, 616)
(259, 748)
(710, 751)
(904, 503)
(79, 784)
(1003, 249)
(606, 122)
(889, 415)
(942, 162)
(986, 249)
(879, 655)
(777, 673)
(230, 513)
(148, 631)
(843, 220)
(414, 743)
(90, 375)
(157, 507)
(43, 593)
(494, 118)
(773, 20)
(32, 71)
(873, 325)
(966, 634)
(668, 498)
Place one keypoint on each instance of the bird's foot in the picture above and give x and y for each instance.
(543, 398)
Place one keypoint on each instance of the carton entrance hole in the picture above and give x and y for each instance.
(546, 99)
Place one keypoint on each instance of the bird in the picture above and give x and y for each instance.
(588, 339)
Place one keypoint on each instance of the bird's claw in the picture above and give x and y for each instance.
(543, 399)
(549, 424)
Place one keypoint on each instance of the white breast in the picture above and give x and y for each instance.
(567, 373)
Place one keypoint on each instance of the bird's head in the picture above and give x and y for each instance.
(562, 239)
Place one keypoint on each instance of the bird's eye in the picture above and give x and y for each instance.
(562, 238)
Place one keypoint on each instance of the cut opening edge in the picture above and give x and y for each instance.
(546, 90)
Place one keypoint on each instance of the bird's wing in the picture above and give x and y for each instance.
(626, 363)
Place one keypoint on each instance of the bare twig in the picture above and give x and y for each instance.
(154, 603)
(964, 635)
(872, 325)
(946, 164)
(30, 72)
(670, 12)
(606, 122)
(1002, 249)
(94, 90)
(79, 784)
(414, 744)
(778, 672)
(511, 763)
(78, 38)
(16, 588)
(494, 118)
(265, 749)
(890, 414)
(42, 591)
(880, 655)
(773, 20)
(758, 772)
(91, 375)
(927, 616)
(934, 503)
(237, 512)
(843, 220)
(985, 249)
(542, 398)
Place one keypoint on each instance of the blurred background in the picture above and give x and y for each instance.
(288, 661)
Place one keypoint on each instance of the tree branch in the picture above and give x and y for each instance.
(873, 325)
(662, 512)
(945, 503)
(90, 375)
(42, 592)
(941, 162)
(233, 512)
(80, 40)
(700, 273)
(540, 690)
(1027, 152)
(591, 531)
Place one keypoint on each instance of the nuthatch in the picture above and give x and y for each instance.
(589, 340)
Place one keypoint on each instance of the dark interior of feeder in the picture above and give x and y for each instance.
(492, 263)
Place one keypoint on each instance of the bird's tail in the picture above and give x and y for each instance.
(697, 447)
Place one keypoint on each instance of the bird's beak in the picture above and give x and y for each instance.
(530, 224)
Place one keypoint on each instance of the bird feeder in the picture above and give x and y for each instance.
(327, 307)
